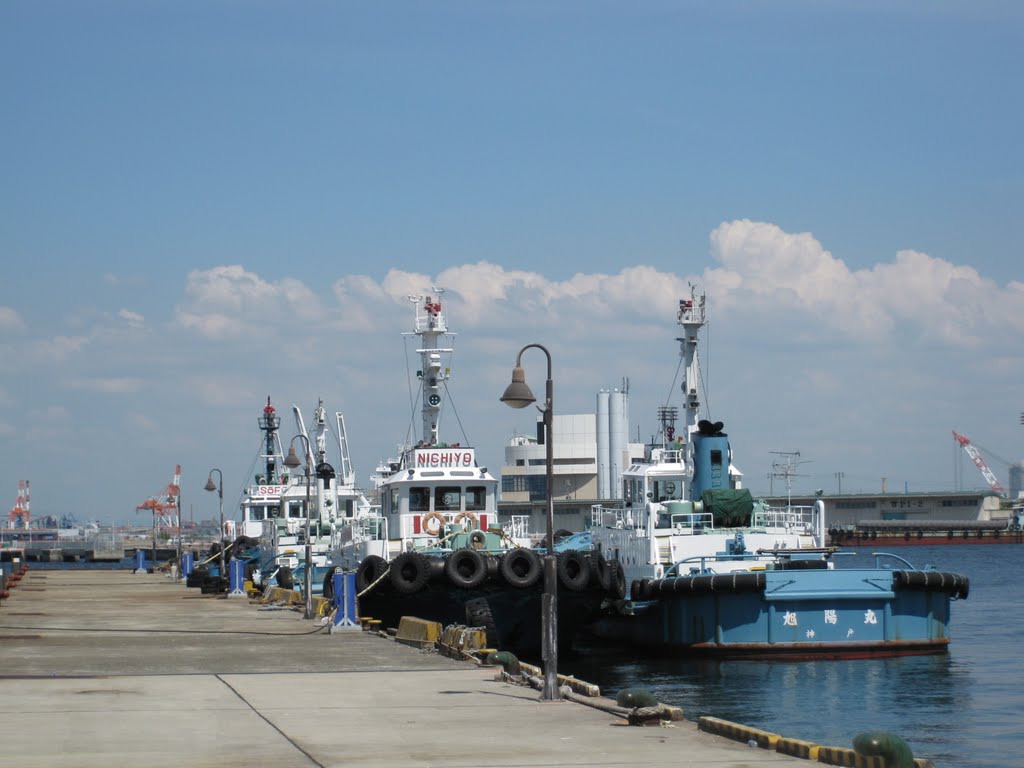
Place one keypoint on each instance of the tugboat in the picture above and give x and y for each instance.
(436, 550)
(271, 535)
(712, 571)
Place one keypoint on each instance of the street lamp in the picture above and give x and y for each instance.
(220, 495)
(178, 504)
(292, 461)
(518, 395)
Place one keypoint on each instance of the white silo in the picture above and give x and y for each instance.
(618, 434)
(1016, 479)
(603, 461)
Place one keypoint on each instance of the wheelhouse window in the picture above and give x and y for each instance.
(447, 498)
(295, 509)
(419, 499)
(476, 498)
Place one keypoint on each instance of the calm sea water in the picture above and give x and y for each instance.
(964, 709)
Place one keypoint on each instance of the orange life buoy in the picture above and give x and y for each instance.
(432, 517)
(467, 516)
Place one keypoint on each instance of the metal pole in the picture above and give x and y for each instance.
(220, 501)
(518, 395)
(179, 534)
(549, 615)
(309, 549)
(292, 461)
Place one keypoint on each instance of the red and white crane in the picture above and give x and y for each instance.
(980, 463)
(165, 506)
(19, 512)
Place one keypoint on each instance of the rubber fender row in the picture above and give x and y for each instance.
(647, 589)
(468, 568)
(933, 581)
(807, 750)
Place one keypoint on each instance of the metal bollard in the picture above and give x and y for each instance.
(236, 578)
(345, 618)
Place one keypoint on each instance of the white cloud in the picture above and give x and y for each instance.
(10, 320)
(765, 269)
(57, 349)
(230, 302)
(109, 386)
(132, 319)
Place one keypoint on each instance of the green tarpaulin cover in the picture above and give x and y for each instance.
(729, 507)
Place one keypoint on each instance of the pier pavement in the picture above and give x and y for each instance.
(111, 668)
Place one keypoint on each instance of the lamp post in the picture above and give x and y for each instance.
(292, 461)
(219, 488)
(178, 504)
(518, 395)
(839, 482)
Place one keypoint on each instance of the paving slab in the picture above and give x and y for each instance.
(111, 668)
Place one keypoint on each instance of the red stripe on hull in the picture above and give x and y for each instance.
(808, 651)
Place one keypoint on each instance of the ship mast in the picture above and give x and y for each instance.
(269, 424)
(431, 325)
(691, 318)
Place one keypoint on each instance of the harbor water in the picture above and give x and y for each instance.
(961, 709)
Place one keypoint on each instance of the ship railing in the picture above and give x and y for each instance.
(518, 527)
(799, 519)
(369, 528)
(687, 523)
(614, 517)
(668, 456)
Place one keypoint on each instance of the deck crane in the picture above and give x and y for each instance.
(980, 463)
(19, 512)
(165, 506)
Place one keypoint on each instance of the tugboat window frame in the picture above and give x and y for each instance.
(447, 498)
(419, 498)
(476, 498)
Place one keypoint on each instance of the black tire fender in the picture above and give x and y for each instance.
(370, 569)
(618, 580)
(521, 567)
(573, 570)
(409, 572)
(601, 572)
(466, 568)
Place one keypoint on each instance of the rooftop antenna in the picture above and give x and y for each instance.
(785, 467)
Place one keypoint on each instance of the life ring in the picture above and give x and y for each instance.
(466, 568)
(426, 520)
(573, 570)
(473, 519)
(521, 567)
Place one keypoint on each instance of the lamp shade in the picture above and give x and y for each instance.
(518, 394)
(209, 484)
(291, 460)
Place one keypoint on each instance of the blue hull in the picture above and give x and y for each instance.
(847, 613)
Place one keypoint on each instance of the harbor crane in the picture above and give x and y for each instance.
(980, 463)
(19, 515)
(165, 506)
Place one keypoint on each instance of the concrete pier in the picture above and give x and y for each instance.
(107, 668)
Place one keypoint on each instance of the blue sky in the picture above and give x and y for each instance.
(203, 204)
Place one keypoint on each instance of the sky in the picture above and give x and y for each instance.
(203, 204)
